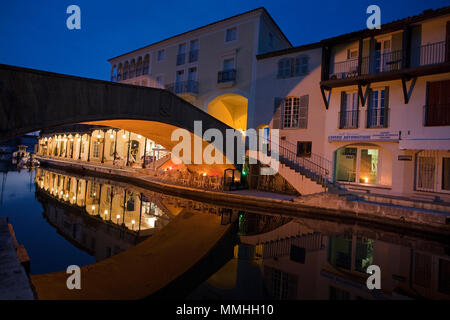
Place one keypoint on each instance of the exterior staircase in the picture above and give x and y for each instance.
(314, 167)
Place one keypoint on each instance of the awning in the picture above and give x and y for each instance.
(425, 144)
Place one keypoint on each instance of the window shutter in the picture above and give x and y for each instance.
(280, 68)
(277, 108)
(303, 112)
(305, 61)
(343, 101)
(386, 97)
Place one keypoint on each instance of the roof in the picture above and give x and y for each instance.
(385, 28)
(262, 9)
(304, 47)
(391, 26)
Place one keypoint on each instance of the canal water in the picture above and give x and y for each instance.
(64, 219)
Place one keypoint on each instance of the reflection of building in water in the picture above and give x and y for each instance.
(99, 144)
(324, 260)
(114, 217)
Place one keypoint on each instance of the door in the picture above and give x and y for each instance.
(192, 80)
(382, 55)
(179, 79)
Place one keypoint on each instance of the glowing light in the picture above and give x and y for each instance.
(118, 216)
(99, 136)
(111, 136)
(366, 180)
(124, 136)
(133, 222)
(204, 174)
(244, 173)
(139, 136)
(106, 212)
(73, 198)
(93, 208)
(71, 139)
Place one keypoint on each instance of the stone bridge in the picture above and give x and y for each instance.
(31, 100)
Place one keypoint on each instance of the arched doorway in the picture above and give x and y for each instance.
(230, 108)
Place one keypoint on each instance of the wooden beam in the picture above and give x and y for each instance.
(324, 97)
(406, 91)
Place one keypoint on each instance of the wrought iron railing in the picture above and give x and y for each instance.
(226, 76)
(189, 86)
(428, 54)
(437, 115)
(377, 117)
(348, 119)
(432, 53)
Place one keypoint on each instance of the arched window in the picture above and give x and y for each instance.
(119, 72)
(125, 71)
(132, 69)
(146, 64)
(301, 65)
(139, 67)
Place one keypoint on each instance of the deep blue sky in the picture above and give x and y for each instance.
(33, 33)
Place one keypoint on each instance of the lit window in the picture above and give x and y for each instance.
(295, 113)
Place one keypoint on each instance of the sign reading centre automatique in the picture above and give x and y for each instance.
(376, 136)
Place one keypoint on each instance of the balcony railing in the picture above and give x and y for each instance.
(377, 117)
(226, 76)
(437, 115)
(348, 119)
(189, 86)
(193, 55)
(181, 58)
(433, 53)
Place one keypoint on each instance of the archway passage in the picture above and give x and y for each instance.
(231, 109)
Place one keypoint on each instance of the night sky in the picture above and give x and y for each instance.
(34, 34)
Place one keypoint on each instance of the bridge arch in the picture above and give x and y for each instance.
(32, 100)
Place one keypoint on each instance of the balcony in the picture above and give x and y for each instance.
(181, 58)
(377, 117)
(437, 115)
(348, 119)
(183, 87)
(193, 55)
(226, 76)
(422, 60)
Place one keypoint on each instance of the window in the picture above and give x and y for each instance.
(377, 112)
(228, 64)
(193, 51)
(270, 40)
(231, 34)
(161, 54)
(352, 54)
(349, 110)
(301, 65)
(304, 148)
(284, 68)
(181, 56)
(295, 113)
(425, 173)
(145, 69)
(290, 67)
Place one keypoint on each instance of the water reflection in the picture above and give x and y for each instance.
(281, 258)
(100, 218)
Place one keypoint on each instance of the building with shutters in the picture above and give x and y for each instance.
(373, 106)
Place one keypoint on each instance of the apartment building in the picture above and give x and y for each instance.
(213, 67)
(372, 107)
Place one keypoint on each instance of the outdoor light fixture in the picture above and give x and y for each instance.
(139, 136)
(124, 136)
(366, 180)
(106, 212)
(99, 136)
(111, 136)
(204, 174)
(93, 208)
(73, 198)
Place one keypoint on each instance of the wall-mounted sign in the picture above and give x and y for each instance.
(404, 158)
(357, 137)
